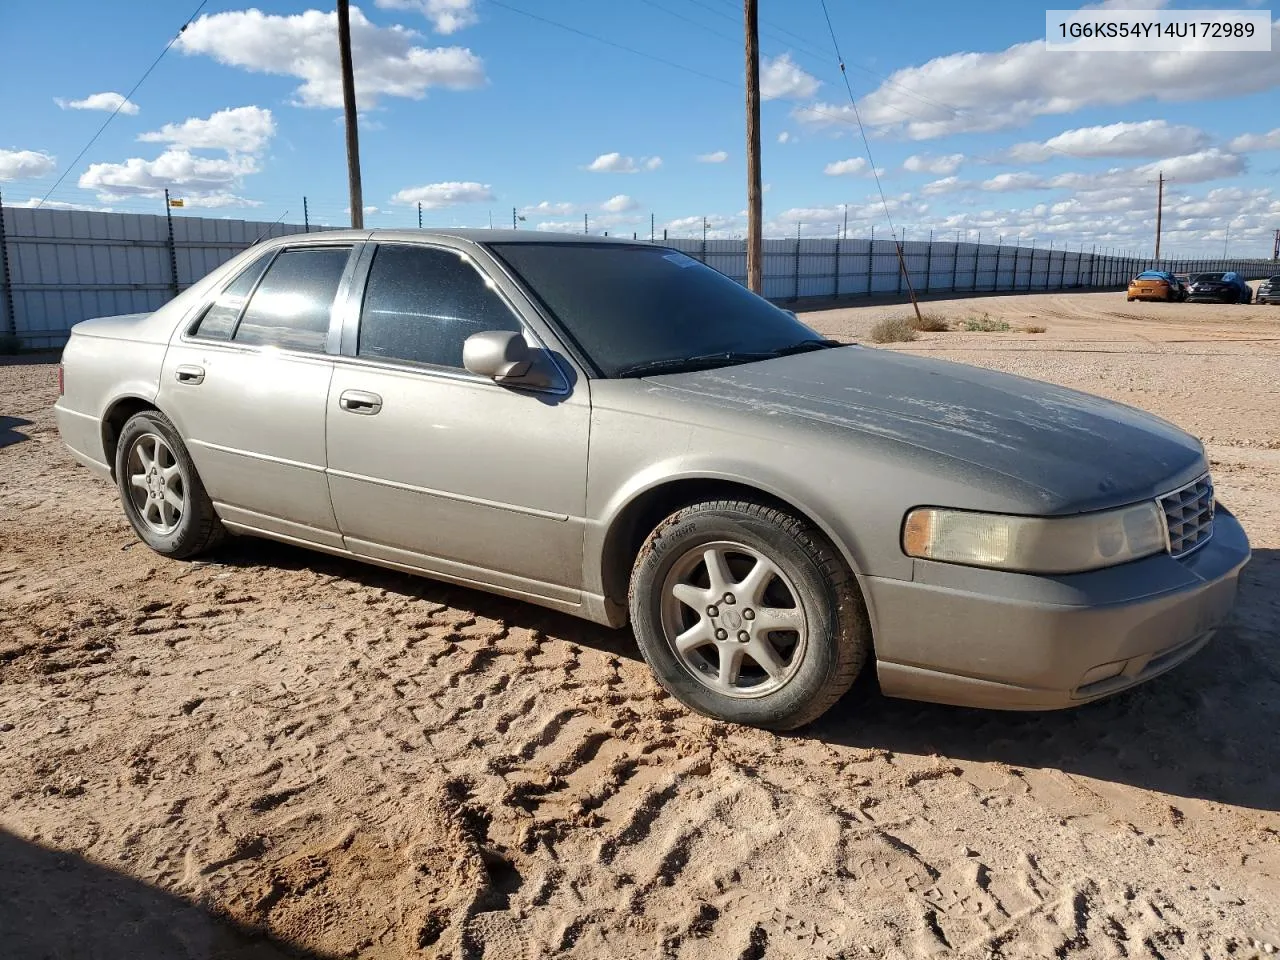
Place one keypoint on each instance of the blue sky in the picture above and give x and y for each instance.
(625, 108)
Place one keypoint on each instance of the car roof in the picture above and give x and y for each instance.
(474, 235)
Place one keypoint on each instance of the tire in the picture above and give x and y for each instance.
(147, 477)
(821, 636)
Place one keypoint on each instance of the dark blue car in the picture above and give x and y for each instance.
(1226, 287)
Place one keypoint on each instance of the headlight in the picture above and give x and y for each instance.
(1035, 544)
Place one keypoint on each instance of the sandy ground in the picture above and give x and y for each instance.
(280, 752)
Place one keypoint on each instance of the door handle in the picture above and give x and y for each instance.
(360, 401)
(188, 373)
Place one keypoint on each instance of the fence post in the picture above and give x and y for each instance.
(173, 251)
(796, 295)
(306, 216)
(928, 264)
(902, 256)
(871, 259)
(955, 263)
(977, 248)
(10, 318)
(835, 293)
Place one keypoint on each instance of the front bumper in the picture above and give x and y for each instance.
(987, 638)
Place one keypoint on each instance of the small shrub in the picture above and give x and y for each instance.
(1033, 328)
(929, 323)
(893, 330)
(984, 324)
(9, 344)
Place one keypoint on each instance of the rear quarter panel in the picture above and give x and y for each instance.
(99, 371)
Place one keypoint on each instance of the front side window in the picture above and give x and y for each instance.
(220, 319)
(635, 309)
(421, 304)
(290, 309)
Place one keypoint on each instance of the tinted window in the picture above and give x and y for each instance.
(1211, 276)
(422, 303)
(1153, 275)
(220, 319)
(291, 306)
(629, 306)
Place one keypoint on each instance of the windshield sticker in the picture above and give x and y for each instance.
(679, 259)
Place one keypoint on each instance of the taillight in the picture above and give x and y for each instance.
(62, 385)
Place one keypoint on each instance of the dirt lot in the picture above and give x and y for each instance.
(280, 752)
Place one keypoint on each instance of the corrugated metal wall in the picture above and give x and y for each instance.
(64, 266)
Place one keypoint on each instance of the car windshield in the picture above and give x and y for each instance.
(1209, 276)
(636, 309)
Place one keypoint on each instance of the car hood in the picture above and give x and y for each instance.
(1081, 451)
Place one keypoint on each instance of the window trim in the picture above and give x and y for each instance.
(351, 321)
(335, 317)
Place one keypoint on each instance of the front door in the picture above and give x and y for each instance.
(247, 388)
(437, 468)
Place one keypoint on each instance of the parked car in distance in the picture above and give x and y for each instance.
(1269, 290)
(1156, 285)
(616, 431)
(1184, 279)
(1227, 287)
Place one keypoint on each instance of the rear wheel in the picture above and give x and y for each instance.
(748, 614)
(160, 490)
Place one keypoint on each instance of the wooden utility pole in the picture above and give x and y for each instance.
(349, 109)
(1159, 211)
(755, 249)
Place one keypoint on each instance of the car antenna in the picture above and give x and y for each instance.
(268, 230)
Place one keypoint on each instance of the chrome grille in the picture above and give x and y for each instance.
(1188, 512)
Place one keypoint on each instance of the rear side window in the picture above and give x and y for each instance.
(220, 319)
(421, 304)
(290, 309)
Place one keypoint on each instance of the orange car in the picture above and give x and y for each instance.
(1156, 285)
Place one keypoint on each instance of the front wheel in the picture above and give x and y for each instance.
(160, 490)
(748, 614)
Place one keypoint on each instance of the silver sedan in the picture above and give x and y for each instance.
(614, 430)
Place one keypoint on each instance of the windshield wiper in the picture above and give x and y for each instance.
(703, 361)
(806, 346)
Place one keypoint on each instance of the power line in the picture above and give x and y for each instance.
(127, 97)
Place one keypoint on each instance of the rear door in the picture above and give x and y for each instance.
(437, 468)
(247, 383)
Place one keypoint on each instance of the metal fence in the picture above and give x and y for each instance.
(58, 267)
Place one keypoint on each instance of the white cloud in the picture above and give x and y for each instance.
(201, 181)
(559, 226)
(854, 166)
(924, 163)
(100, 101)
(845, 168)
(25, 164)
(235, 130)
(781, 79)
(1211, 164)
(1149, 138)
(446, 16)
(432, 196)
(1005, 182)
(619, 204)
(976, 92)
(32, 202)
(617, 163)
(1256, 141)
(718, 226)
(719, 156)
(303, 45)
(785, 136)
(946, 185)
(548, 209)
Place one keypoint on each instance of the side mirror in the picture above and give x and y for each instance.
(504, 357)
